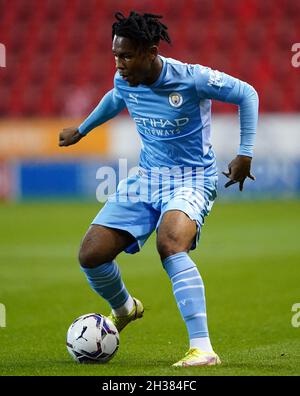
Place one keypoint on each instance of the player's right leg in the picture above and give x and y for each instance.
(102, 244)
(122, 224)
(97, 255)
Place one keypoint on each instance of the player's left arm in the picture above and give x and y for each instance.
(212, 84)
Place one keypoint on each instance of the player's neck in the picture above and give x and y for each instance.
(155, 71)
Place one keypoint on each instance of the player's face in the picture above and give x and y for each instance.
(133, 64)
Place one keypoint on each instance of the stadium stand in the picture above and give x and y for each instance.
(59, 58)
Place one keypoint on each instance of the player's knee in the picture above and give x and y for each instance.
(92, 258)
(168, 246)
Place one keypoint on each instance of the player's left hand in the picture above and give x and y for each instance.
(238, 171)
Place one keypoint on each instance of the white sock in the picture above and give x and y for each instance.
(125, 308)
(202, 343)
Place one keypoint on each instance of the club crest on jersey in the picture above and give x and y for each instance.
(175, 99)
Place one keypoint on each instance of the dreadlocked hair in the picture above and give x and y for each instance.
(145, 30)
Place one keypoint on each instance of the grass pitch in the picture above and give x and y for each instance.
(248, 256)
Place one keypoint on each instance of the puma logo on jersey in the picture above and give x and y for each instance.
(133, 97)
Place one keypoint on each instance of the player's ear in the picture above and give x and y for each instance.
(153, 52)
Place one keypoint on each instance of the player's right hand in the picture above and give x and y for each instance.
(69, 136)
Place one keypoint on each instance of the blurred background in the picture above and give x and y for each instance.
(59, 64)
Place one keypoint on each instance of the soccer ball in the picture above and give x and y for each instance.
(92, 338)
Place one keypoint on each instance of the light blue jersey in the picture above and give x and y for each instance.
(173, 119)
(173, 115)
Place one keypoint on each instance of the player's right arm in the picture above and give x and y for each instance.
(110, 105)
(211, 84)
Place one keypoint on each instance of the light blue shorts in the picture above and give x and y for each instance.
(140, 202)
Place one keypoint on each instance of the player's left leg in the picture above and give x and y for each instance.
(175, 236)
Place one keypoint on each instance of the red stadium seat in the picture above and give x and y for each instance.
(62, 45)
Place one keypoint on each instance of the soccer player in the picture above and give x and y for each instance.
(170, 103)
